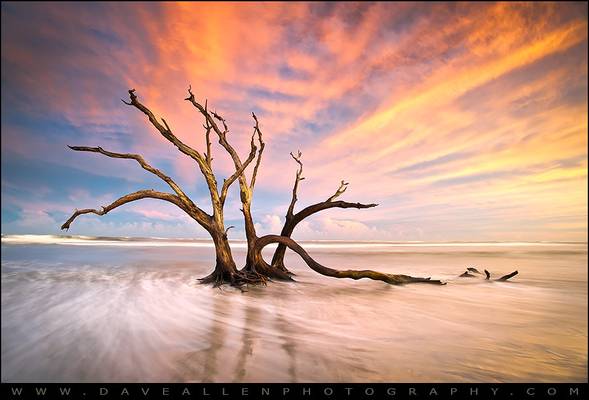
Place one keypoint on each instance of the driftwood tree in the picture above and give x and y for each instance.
(256, 270)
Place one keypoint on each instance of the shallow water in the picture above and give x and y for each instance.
(131, 311)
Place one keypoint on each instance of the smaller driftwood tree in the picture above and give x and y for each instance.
(256, 270)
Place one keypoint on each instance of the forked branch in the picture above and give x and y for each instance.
(262, 145)
(342, 188)
(163, 129)
(166, 131)
(185, 199)
(227, 183)
(210, 118)
(292, 220)
(295, 187)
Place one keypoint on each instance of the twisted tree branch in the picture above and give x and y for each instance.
(141, 194)
(295, 188)
(392, 279)
(208, 117)
(245, 191)
(292, 220)
(166, 132)
(222, 134)
(342, 188)
(259, 159)
(227, 183)
(208, 128)
(183, 197)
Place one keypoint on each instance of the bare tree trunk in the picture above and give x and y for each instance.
(255, 263)
(225, 269)
(250, 233)
(280, 252)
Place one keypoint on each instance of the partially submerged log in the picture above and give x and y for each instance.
(506, 277)
(467, 274)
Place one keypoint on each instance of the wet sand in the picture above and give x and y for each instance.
(134, 313)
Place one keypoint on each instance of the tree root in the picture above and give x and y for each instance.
(262, 268)
(280, 266)
(236, 279)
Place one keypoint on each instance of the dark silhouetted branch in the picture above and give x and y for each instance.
(506, 277)
(298, 178)
(227, 183)
(259, 159)
(392, 279)
(202, 216)
(166, 132)
(342, 188)
(292, 220)
(164, 129)
(141, 194)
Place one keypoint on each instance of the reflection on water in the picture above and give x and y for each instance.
(135, 313)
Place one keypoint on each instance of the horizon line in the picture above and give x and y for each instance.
(139, 238)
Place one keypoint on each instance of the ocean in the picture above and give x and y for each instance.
(86, 309)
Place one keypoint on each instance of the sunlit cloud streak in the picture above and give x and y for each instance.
(464, 121)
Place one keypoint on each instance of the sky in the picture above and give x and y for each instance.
(463, 121)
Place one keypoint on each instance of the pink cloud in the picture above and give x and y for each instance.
(367, 92)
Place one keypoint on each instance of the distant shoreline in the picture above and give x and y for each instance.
(201, 242)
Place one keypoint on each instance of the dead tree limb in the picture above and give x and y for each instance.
(392, 279)
(506, 277)
(298, 178)
(238, 172)
(342, 188)
(163, 129)
(203, 216)
(259, 159)
(488, 275)
(222, 134)
(245, 191)
(141, 194)
(208, 128)
(292, 220)
(166, 132)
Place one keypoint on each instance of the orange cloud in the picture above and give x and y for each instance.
(413, 103)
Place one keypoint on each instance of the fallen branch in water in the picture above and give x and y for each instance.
(467, 274)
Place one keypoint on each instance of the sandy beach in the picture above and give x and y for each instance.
(89, 310)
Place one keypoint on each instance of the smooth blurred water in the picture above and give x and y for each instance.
(131, 311)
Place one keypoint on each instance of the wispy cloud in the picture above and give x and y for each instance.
(462, 120)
